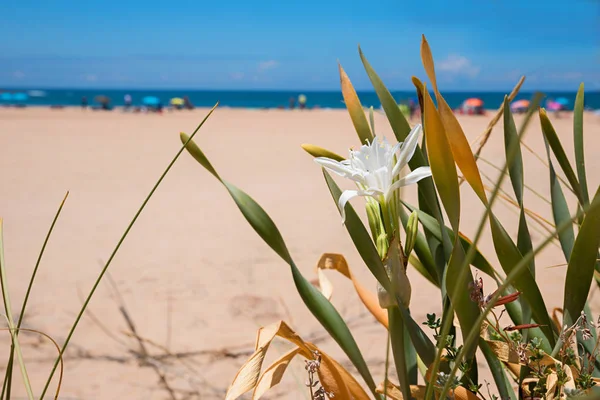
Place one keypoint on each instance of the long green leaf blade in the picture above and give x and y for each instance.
(503, 384)
(560, 209)
(580, 271)
(579, 145)
(515, 170)
(559, 153)
(355, 109)
(318, 305)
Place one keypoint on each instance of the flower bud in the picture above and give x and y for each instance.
(412, 228)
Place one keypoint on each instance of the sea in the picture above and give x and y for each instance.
(257, 99)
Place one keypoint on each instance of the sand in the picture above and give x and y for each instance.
(193, 275)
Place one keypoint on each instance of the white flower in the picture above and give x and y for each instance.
(375, 166)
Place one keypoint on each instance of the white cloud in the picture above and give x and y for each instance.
(90, 77)
(458, 65)
(266, 65)
(19, 74)
(237, 76)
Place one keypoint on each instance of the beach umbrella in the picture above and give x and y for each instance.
(563, 101)
(20, 96)
(520, 105)
(102, 99)
(177, 101)
(151, 101)
(553, 106)
(473, 102)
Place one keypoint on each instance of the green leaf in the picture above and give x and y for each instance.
(580, 271)
(396, 327)
(560, 154)
(317, 151)
(355, 109)
(509, 256)
(423, 345)
(515, 171)
(398, 122)
(579, 145)
(441, 161)
(432, 226)
(459, 145)
(423, 253)
(503, 384)
(560, 209)
(318, 305)
(515, 167)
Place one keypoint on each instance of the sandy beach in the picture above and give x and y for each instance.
(194, 277)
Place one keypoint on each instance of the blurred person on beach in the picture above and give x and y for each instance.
(84, 102)
(412, 109)
(302, 102)
(187, 104)
(127, 100)
(292, 103)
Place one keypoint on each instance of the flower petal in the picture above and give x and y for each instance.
(413, 177)
(408, 149)
(340, 168)
(349, 194)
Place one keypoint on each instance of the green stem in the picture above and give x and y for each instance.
(396, 329)
(116, 249)
(387, 365)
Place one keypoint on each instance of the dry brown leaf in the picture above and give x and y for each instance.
(338, 263)
(333, 377)
(418, 392)
(273, 374)
(555, 319)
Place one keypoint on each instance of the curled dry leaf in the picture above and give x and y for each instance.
(332, 376)
(338, 263)
(418, 392)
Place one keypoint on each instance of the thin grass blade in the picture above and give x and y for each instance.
(114, 252)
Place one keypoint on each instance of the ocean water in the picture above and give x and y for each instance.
(261, 99)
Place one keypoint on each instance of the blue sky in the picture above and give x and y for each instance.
(285, 44)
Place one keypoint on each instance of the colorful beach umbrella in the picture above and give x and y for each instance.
(151, 101)
(520, 105)
(177, 101)
(563, 101)
(20, 96)
(473, 102)
(102, 99)
(553, 106)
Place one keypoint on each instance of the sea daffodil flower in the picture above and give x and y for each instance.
(375, 167)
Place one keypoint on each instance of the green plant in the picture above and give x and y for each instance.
(545, 359)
